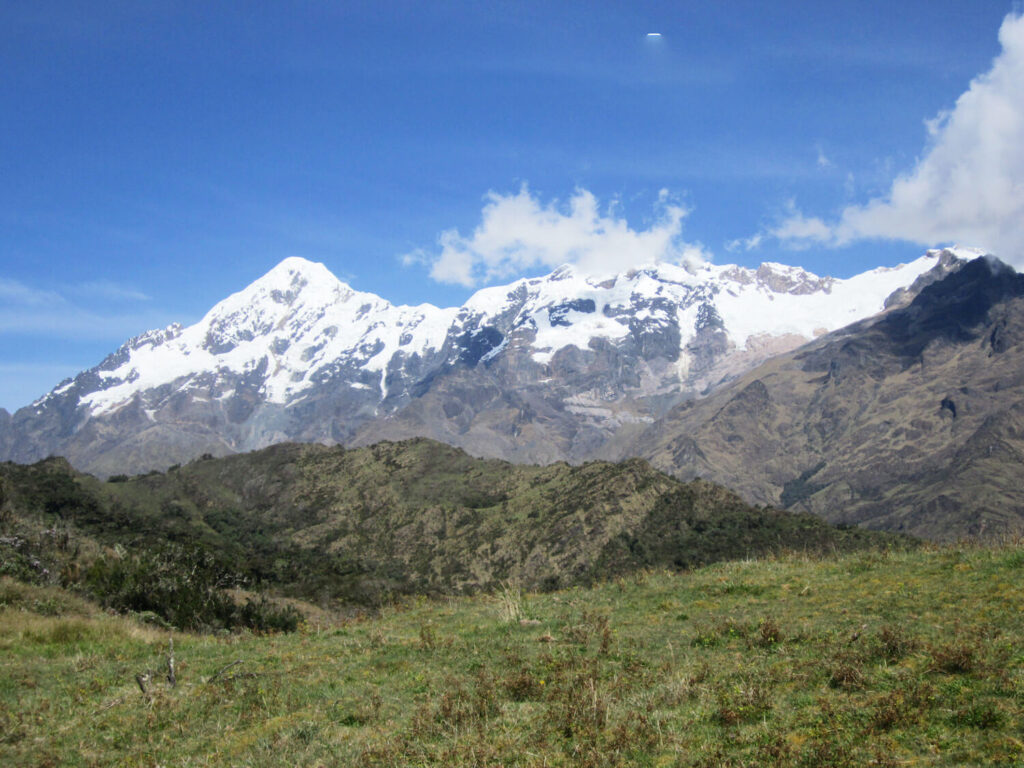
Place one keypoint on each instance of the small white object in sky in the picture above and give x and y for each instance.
(654, 34)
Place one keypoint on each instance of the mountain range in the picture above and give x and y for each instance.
(850, 398)
(540, 370)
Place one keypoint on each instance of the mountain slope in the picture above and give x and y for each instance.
(561, 367)
(419, 517)
(912, 421)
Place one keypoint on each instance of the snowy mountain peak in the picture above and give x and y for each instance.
(295, 281)
(299, 354)
(964, 253)
(281, 334)
(296, 266)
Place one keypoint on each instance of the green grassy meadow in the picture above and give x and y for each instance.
(873, 658)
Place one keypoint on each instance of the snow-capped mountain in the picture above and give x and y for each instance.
(542, 369)
(294, 328)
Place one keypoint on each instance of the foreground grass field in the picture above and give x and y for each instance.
(907, 658)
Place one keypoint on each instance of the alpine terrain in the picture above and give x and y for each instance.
(912, 421)
(567, 366)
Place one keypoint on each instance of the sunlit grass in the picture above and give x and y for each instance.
(867, 659)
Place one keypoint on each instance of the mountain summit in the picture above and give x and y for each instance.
(565, 366)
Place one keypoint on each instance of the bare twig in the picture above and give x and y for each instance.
(109, 705)
(223, 669)
(171, 677)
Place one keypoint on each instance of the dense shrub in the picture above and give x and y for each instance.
(264, 615)
(184, 587)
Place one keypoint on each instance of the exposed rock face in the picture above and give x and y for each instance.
(679, 338)
(911, 421)
(562, 367)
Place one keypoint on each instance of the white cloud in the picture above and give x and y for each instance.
(796, 230)
(517, 233)
(968, 187)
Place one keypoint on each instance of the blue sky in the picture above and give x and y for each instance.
(156, 156)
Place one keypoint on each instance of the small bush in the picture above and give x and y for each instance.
(263, 615)
(523, 686)
(956, 658)
(743, 702)
(902, 707)
(980, 715)
(828, 751)
(894, 643)
(769, 633)
(706, 637)
(577, 702)
(635, 732)
(723, 631)
(428, 638)
(591, 625)
(846, 673)
(460, 705)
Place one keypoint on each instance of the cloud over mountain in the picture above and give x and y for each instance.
(968, 186)
(518, 232)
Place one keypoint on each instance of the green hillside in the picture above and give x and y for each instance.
(418, 517)
(886, 659)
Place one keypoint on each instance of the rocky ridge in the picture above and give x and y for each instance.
(911, 421)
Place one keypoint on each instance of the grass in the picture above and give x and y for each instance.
(876, 658)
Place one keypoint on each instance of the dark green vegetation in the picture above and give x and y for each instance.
(872, 658)
(361, 526)
(177, 585)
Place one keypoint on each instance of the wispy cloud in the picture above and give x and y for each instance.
(30, 311)
(70, 322)
(967, 187)
(100, 312)
(107, 289)
(15, 292)
(823, 161)
(518, 233)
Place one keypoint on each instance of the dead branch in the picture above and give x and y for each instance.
(109, 705)
(223, 669)
(171, 677)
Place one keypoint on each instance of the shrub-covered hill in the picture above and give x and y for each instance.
(414, 517)
(868, 659)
